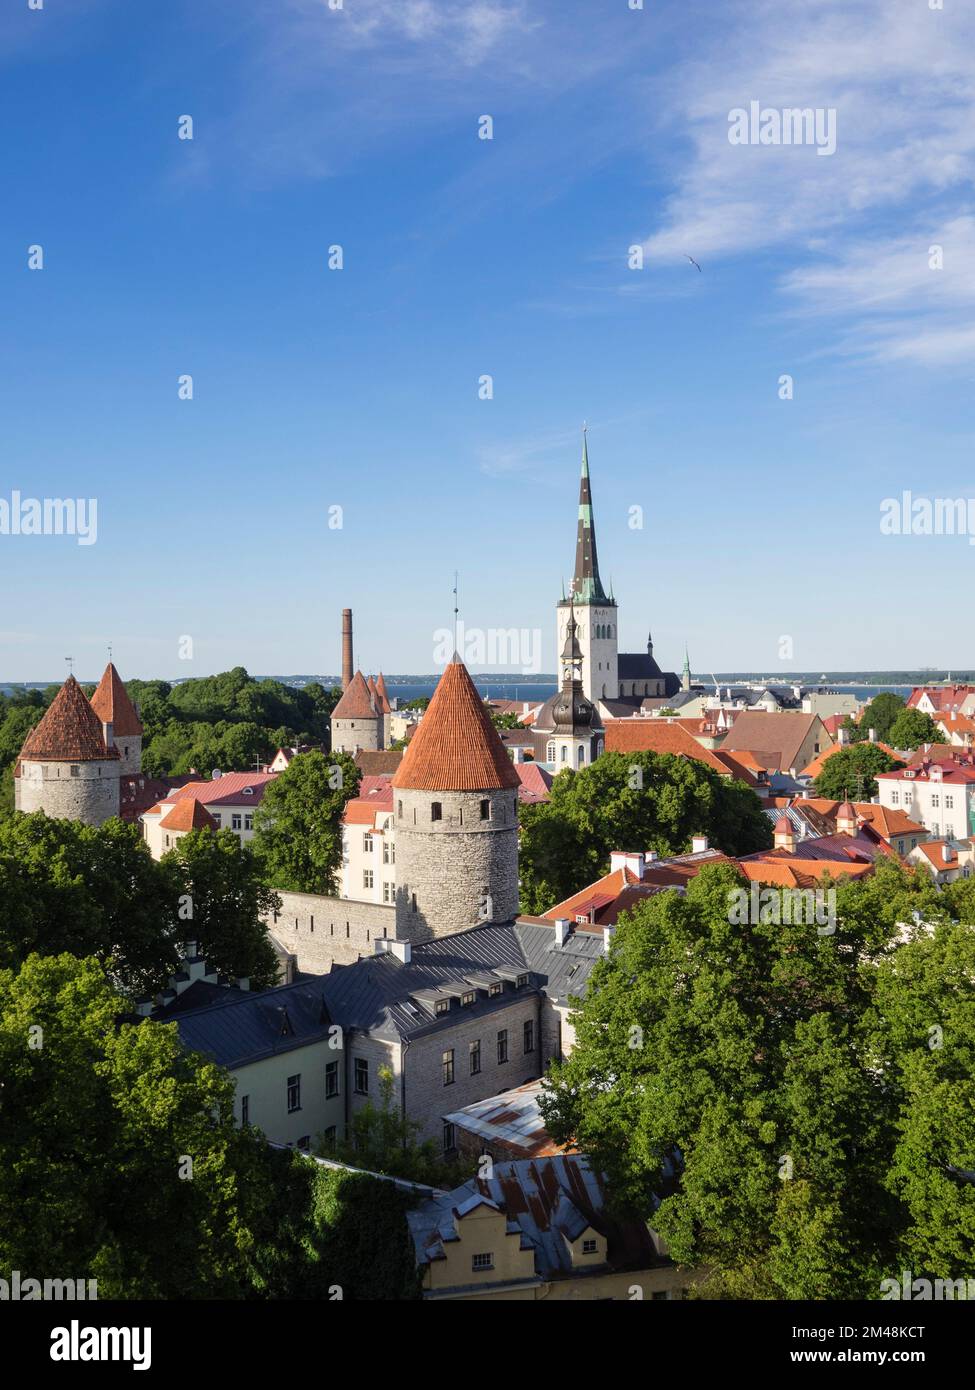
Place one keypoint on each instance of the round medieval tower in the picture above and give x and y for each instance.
(69, 765)
(456, 817)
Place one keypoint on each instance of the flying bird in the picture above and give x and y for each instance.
(693, 261)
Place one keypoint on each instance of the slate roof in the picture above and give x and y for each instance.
(634, 666)
(456, 747)
(379, 994)
(69, 732)
(113, 706)
(547, 1201)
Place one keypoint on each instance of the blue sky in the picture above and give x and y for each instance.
(358, 388)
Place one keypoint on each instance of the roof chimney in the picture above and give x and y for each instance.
(607, 938)
(347, 668)
(623, 859)
(562, 929)
(872, 735)
(389, 946)
(699, 844)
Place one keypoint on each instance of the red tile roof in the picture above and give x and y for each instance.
(943, 697)
(70, 731)
(230, 789)
(383, 694)
(535, 782)
(188, 815)
(456, 746)
(955, 772)
(113, 706)
(659, 736)
(383, 760)
(775, 739)
(356, 701)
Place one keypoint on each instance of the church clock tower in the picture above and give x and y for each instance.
(595, 612)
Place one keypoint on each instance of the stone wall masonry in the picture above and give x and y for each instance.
(322, 931)
(92, 796)
(349, 735)
(462, 870)
(428, 1099)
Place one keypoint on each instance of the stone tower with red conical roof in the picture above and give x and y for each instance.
(113, 706)
(356, 721)
(456, 816)
(69, 767)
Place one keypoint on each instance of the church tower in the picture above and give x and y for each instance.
(595, 611)
(455, 798)
(69, 764)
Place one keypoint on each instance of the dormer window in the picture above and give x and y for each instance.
(468, 999)
(248, 791)
(495, 989)
(442, 1006)
(521, 981)
(590, 1247)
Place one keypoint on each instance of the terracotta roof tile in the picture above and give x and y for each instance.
(356, 701)
(69, 732)
(383, 694)
(456, 747)
(774, 738)
(188, 814)
(658, 736)
(113, 706)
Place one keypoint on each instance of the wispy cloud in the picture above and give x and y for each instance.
(901, 82)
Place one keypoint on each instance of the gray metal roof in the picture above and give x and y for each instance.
(383, 996)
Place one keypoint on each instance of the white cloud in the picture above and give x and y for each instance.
(900, 79)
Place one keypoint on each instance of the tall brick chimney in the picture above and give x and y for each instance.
(347, 666)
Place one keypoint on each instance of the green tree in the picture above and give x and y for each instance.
(90, 890)
(633, 801)
(96, 1121)
(298, 823)
(912, 727)
(224, 903)
(925, 1044)
(850, 772)
(880, 714)
(730, 1071)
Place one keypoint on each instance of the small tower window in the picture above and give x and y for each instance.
(436, 810)
(75, 770)
(399, 809)
(485, 809)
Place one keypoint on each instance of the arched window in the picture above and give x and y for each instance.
(564, 753)
(582, 755)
